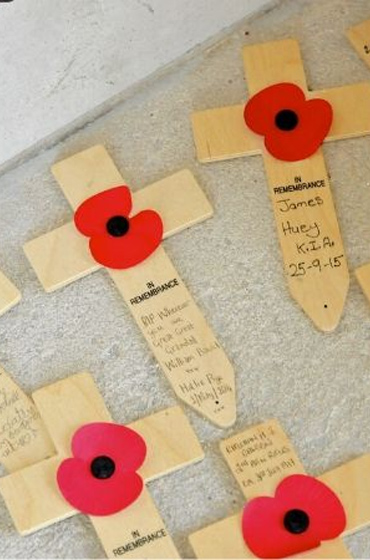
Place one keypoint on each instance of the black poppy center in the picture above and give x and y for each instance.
(296, 521)
(118, 226)
(102, 467)
(286, 120)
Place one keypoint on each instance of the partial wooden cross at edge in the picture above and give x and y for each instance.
(9, 294)
(359, 36)
(201, 374)
(351, 483)
(23, 439)
(319, 288)
(362, 274)
(32, 495)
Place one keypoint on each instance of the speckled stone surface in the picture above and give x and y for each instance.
(317, 385)
(62, 62)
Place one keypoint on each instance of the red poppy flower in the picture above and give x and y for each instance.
(303, 513)
(101, 477)
(294, 127)
(117, 240)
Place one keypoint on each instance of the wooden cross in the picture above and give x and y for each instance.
(174, 327)
(359, 36)
(32, 495)
(308, 230)
(260, 458)
(9, 294)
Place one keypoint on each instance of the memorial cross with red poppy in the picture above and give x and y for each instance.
(100, 469)
(287, 123)
(122, 231)
(287, 513)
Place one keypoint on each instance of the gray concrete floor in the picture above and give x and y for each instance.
(317, 385)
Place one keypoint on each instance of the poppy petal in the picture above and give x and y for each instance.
(124, 446)
(93, 496)
(303, 136)
(265, 534)
(263, 518)
(92, 215)
(326, 512)
(261, 109)
(315, 120)
(142, 239)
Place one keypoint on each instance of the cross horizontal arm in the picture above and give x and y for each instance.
(180, 338)
(363, 277)
(351, 110)
(63, 256)
(60, 257)
(359, 36)
(68, 404)
(34, 502)
(224, 539)
(351, 482)
(178, 198)
(171, 442)
(222, 134)
(9, 294)
(33, 497)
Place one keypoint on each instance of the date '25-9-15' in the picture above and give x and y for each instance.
(303, 267)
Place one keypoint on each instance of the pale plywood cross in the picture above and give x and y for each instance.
(309, 235)
(32, 495)
(174, 327)
(260, 458)
(359, 36)
(9, 294)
